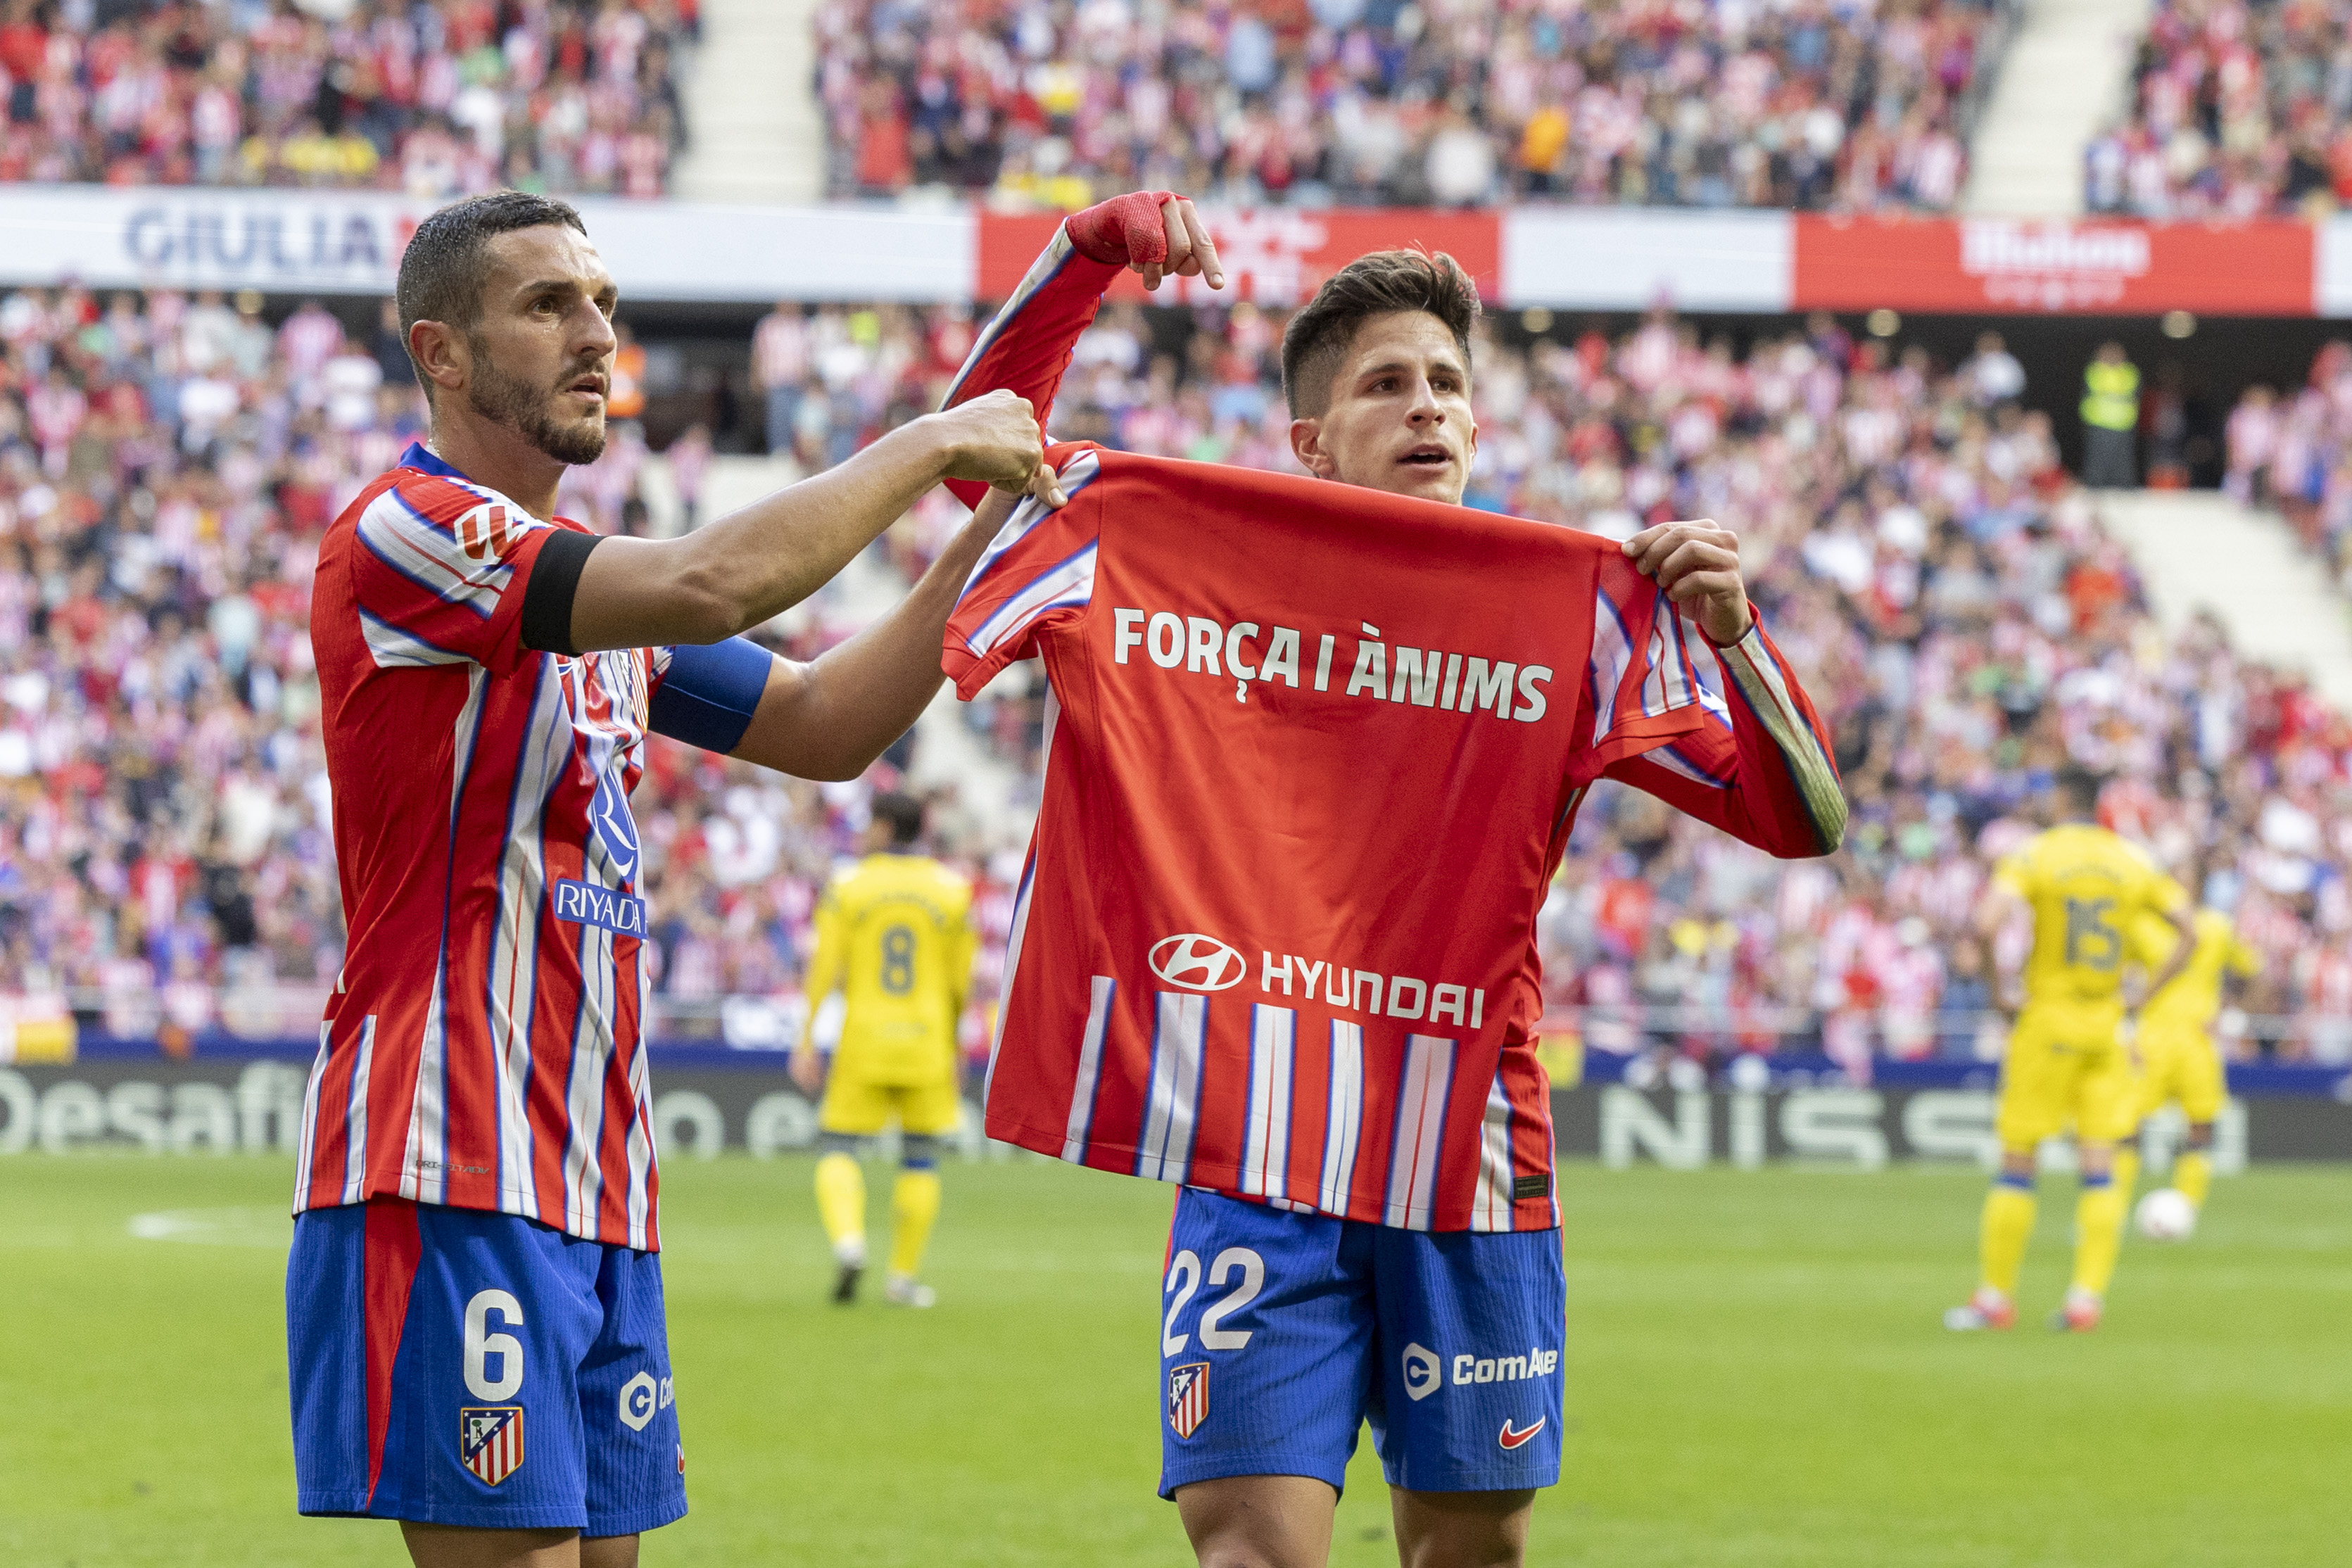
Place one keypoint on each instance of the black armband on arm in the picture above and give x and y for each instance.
(554, 582)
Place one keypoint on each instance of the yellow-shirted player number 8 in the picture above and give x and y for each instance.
(481, 1344)
(898, 960)
(2092, 940)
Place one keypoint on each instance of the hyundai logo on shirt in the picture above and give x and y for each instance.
(587, 904)
(1197, 963)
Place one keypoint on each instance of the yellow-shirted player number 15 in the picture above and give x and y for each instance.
(2069, 1067)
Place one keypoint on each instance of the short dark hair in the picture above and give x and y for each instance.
(441, 271)
(2079, 788)
(902, 814)
(1379, 284)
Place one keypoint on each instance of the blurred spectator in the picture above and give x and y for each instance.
(437, 98)
(780, 370)
(1994, 376)
(1450, 102)
(2238, 108)
(2295, 452)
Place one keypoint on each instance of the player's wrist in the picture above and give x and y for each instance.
(1724, 624)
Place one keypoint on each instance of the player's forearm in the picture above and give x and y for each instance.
(845, 709)
(755, 564)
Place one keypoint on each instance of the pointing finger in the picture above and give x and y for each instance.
(1205, 249)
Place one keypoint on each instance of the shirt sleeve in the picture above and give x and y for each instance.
(1756, 763)
(1026, 347)
(441, 574)
(1038, 575)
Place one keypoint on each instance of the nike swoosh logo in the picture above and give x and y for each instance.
(1511, 1440)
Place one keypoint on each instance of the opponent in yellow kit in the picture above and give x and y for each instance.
(894, 935)
(2087, 890)
(2177, 1059)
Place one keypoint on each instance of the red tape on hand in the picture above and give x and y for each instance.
(1124, 229)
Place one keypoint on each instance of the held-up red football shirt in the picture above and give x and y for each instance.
(1312, 756)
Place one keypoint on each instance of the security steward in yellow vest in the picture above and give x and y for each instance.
(2111, 420)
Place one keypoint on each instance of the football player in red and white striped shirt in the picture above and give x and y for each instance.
(474, 1296)
(1286, 1325)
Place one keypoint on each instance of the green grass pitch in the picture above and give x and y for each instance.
(1756, 1376)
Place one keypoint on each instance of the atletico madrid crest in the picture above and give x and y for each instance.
(1188, 1396)
(489, 1440)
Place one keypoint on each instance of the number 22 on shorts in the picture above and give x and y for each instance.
(1186, 1267)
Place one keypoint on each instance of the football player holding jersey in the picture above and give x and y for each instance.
(2087, 890)
(1420, 1284)
(894, 936)
(474, 1305)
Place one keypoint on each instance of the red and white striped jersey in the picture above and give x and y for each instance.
(1312, 755)
(482, 1048)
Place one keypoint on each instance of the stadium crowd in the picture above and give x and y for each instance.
(1449, 102)
(2294, 451)
(2238, 108)
(167, 464)
(436, 98)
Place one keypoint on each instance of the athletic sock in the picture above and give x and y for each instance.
(914, 1208)
(841, 1204)
(2008, 1226)
(2127, 1169)
(2099, 1233)
(2192, 1173)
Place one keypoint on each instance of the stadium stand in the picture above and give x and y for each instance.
(1377, 102)
(438, 98)
(2294, 451)
(2236, 110)
(166, 465)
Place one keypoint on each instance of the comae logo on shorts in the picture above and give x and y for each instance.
(489, 1440)
(1188, 1397)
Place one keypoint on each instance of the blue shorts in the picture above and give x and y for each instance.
(1285, 1333)
(455, 1367)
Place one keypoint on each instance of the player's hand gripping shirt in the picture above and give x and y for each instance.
(1313, 754)
(894, 935)
(482, 1047)
(2088, 889)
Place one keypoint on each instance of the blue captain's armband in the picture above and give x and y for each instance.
(708, 695)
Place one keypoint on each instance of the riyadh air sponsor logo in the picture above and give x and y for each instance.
(617, 829)
(584, 903)
(1423, 1375)
(1515, 1438)
(1197, 963)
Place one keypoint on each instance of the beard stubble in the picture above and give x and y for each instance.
(523, 408)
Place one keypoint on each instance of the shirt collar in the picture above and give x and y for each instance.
(416, 457)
